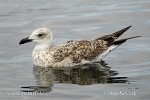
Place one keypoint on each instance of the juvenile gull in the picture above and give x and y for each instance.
(74, 52)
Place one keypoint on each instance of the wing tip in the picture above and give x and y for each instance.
(129, 26)
(120, 32)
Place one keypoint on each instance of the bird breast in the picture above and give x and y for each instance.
(42, 57)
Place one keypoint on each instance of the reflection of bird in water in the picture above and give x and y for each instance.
(87, 74)
(72, 53)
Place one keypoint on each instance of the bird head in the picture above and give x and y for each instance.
(39, 36)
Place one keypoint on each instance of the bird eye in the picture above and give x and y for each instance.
(39, 35)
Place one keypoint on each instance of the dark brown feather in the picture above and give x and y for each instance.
(111, 38)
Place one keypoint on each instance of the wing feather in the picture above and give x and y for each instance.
(78, 50)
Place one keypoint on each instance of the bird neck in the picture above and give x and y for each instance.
(43, 46)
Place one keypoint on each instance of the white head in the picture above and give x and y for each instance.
(39, 36)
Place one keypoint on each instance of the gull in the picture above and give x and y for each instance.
(73, 52)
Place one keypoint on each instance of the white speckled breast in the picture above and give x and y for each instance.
(42, 57)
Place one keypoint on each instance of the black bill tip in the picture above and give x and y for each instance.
(25, 40)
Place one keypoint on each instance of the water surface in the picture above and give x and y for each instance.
(78, 19)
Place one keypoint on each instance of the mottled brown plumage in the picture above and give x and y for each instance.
(87, 50)
(78, 50)
(73, 52)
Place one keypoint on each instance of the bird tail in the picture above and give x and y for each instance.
(119, 42)
(116, 44)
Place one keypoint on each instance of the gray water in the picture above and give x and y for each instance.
(76, 19)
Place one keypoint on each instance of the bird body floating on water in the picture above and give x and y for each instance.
(74, 52)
